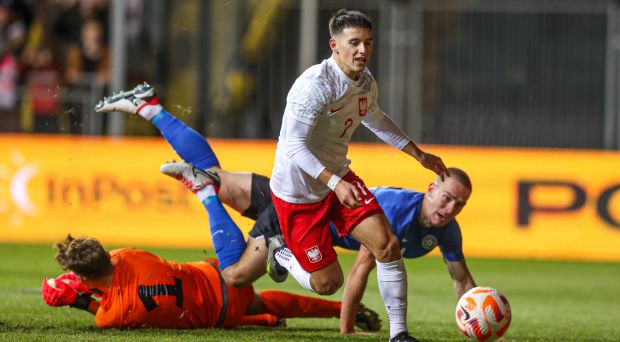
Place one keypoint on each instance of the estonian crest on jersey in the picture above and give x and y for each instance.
(314, 254)
(429, 242)
(363, 101)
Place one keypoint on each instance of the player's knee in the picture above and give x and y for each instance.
(326, 289)
(327, 286)
(389, 250)
(235, 278)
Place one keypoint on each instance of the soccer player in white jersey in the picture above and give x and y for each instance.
(312, 183)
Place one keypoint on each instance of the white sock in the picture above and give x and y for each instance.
(287, 260)
(149, 111)
(392, 278)
(206, 192)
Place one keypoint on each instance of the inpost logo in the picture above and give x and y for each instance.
(15, 201)
(29, 189)
(606, 202)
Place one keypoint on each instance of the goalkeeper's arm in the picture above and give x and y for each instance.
(86, 302)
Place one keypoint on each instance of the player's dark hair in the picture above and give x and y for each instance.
(348, 18)
(84, 256)
(461, 176)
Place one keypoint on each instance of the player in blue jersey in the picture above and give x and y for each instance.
(421, 221)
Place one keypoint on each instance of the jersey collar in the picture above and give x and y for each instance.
(332, 64)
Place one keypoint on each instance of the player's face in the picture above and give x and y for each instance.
(352, 49)
(444, 200)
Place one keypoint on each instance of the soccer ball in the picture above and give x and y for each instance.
(52, 282)
(483, 314)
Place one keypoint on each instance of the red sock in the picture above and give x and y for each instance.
(286, 304)
(262, 319)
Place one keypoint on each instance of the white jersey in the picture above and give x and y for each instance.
(325, 98)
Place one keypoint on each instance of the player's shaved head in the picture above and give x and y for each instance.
(84, 256)
(459, 175)
(344, 18)
(445, 199)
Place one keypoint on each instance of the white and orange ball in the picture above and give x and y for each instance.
(483, 314)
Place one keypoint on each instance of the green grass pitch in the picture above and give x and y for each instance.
(551, 301)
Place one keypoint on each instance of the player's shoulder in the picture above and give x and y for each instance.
(398, 202)
(452, 230)
(321, 74)
(453, 225)
(131, 254)
(317, 81)
(395, 192)
(121, 257)
(121, 251)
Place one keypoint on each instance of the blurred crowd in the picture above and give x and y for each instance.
(51, 52)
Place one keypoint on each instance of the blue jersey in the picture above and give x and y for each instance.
(402, 208)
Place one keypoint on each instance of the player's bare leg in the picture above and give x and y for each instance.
(328, 280)
(376, 235)
(235, 188)
(250, 266)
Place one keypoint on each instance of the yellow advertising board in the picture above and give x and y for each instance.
(526, 203)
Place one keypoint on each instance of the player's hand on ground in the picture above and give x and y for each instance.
(367, 319)
(348, 194)
(435, 164)
(62, 290)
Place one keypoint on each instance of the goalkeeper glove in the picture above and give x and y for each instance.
(66, 289)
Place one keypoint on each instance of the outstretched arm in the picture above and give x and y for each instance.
(429, 161)
(354, 289)
(463, 280)
(385, 129)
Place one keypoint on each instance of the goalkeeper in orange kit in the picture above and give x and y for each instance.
(138, 289)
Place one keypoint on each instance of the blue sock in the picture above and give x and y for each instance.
(188, 144)
(227, 238)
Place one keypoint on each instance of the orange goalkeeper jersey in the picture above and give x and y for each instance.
(148, 291)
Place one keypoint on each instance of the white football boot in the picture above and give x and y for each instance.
(191, 177)
(141, 100)
(274, 269)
